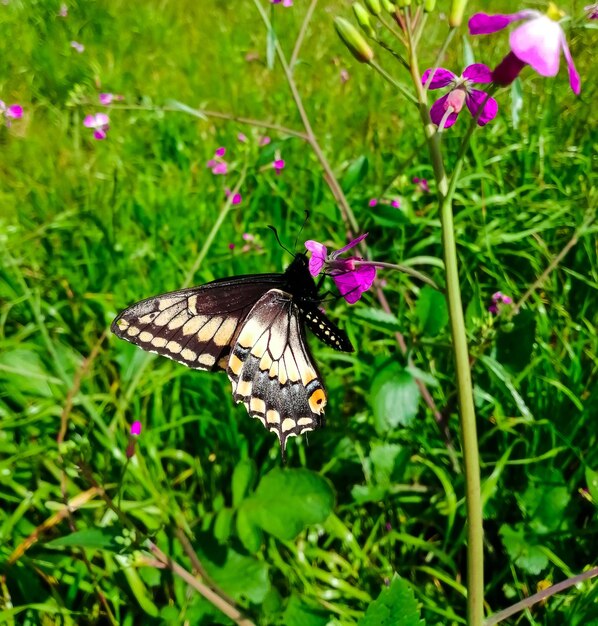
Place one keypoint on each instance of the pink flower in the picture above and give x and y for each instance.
(265, 140)
(136, 428)
(278, 166)
(344, 76)
(445, 110)
(422, 183)
(10, 112)
(395, 204)
(499, 299)
(592, 11)
(236, 198)
(79, 47)
(351, 279)
(108, 98)
(64, 10)
(100, 123)
(285, 3)
(373, 202)
(242, 137)
(218, 165)
(538, 42)
(134, 432)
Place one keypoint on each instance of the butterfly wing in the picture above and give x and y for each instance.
(195, 326)
(272, 371)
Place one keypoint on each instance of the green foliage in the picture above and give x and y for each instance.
(88, 227)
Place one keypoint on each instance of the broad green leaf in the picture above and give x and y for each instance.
(395, 396)
(431, 311)
(514, 346)
(243, 478)
(592, 480)
(395, 606)
(249, 532)
(299, 614)
(545, 501)
(386, 215)
(523, 550)
(368, 493)
(23, 372)
(286, 501)
(223, 524)
(238, 575)
(384, 458)
(99, 538)
(355, 173)
(376, 318)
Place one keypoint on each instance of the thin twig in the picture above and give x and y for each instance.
(301, 35)
(541, 595)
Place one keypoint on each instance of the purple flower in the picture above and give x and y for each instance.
(108, 98)
(498, 299)
(218, 165)
(592, 11)
(422, 183)
(134, 432)
(351, 279)
(538, 42)
(278, 165)
(396, 204)
(10, 112)
(236, 198)
(100, 123)
(285, 3)
(445, 110)
(79, 47)
(373, 202)
(135, 428)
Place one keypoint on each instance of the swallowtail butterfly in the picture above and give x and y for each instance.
(253, 327)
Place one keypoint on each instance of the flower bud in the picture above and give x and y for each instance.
(429, 5)
(507, 70)
(353, 39)
(456, 13)
(373, 6)
(389, 7)
(363, 19)
(403, 3)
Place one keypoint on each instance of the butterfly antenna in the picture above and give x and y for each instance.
(273, 229)
(307, 214)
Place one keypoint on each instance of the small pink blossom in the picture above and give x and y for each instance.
(100, 122)
(236, 197)
(351, 279)
(395, 204)
(538, 42)
(373, 202)
(231, 246)
(265, 140)
(63, 11)
(422, 184)
(134, 432)
(248, 237)
(136, 428)
(79, 47)
(344, 76)
(108, 98)
(592, 11)
(10, 112)
(285, 3)
(499, 299)
(218, 165)
(278, 165)
(242, 137)
(445, 110)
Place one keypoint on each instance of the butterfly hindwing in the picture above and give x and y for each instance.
(271, 369)
(196, 326)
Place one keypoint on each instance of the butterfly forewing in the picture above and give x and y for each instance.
(194, 326)
(271, 369)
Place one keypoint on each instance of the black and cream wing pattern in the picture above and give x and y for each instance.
(252, 327)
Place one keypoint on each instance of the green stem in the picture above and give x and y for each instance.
(469, 438)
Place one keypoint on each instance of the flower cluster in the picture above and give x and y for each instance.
(499, 299)
(352, 276)
(100, 123)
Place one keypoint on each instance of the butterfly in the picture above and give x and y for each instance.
(252, 327)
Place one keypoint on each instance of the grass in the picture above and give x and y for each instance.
(89, 227)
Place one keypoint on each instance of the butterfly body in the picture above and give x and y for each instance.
(253, 327)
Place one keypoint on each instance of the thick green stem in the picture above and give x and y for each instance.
(469, 438)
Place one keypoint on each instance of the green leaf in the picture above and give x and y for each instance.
(238, 575)
(286, 501)
(249, 532)
(223, 524)
(515, 343)
(243, 478)
(395, 606)
(23, 372)
(384, 458)
(592, 481)
(431, 311)
(355, 173)
(545, 501)
(368, 493)
(98, 538)
(376, 318)
(523, 550)
(395, 396)
(299, 614)
(386, 215)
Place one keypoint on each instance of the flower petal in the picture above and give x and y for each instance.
(15, 111)
(538, 43)
(484, 24)
(101, 119)
(574, 80)
(441, 77)
(439, 109)
(89, 121)
(475, 99)
(318, 256)
(352, 284)
(350, 245)
(478, 73)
